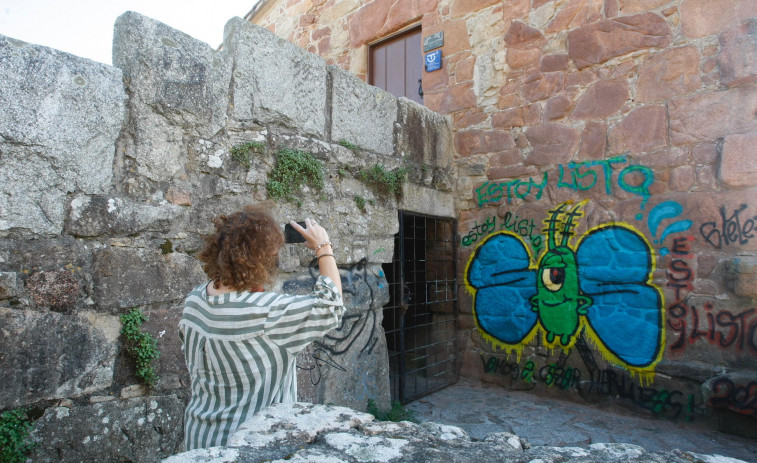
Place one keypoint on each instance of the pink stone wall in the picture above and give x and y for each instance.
(644, 113)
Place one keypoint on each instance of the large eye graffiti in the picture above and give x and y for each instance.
(601, 287)
(553, 278)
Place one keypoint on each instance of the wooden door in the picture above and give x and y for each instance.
(396, 65)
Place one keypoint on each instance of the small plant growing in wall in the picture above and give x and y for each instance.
(396, 413)
(140, 346)
(360, 202)
(15, 427)
(243, 153)
(350, 146)
(385, 181)
(293, 169)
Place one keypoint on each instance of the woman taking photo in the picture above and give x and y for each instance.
(240, 341)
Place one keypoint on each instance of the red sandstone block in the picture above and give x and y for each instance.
(682, 178)
(517, 117)
(738, 164)
(700, 18)
(464, 70)
(521, 36)
(669, 74)
(451, 99)
(460, 8)
(643, 129)
(556, 108)
(709, 116)
(601, 41)
(476, 141)
(602, 99)
(518, 59)
(593, 141)
(552, 143)
(637, 6)
(543, 86)
(738, 54)
(469, 117)
(575, 13)
(552, 63)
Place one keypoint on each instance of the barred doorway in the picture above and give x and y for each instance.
(420, 318)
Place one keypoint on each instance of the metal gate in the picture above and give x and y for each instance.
(420, 318)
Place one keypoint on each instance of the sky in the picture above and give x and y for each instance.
(85, 27)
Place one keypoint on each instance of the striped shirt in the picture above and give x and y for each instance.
(240, 349)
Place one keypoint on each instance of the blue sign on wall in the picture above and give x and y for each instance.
(433, 61)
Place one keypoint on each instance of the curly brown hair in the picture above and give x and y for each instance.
(242, 254)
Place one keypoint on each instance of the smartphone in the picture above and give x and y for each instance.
(293, 236)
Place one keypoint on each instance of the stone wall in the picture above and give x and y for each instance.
(109, 177)
(617, 134)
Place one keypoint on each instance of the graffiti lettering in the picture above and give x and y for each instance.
(724, 329)
(579, 176)
(563, 377)
(479, 231)
(730, 230)
(501, 366)
(523, 227)
(741, 399)
(659, 401)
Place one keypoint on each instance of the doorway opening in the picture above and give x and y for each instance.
(420, 319)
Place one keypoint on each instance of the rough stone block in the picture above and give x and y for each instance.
(638, 6)
(601, 41)
(523, 36)
(553, 143)
(709, 116)
(643, 129)
(575, 13)
(142, 429)
(593, 141)
(738, 167)
(352, 99)
(743, 276)
(700, 18)
(58, 290)
(264, 65)
(423, 135)
(108, 215)
(177, 84)
(602, 99)
(61, 117)
(543, 86)
(669, 74)
(160, 278)
(50, 356)
(476, 141)
(455, 98)
(738, 48)
(517, 117)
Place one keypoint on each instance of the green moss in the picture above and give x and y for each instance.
(243, 153)
(360, 202)
(167, 247)
(350, 146)
(140, 346)
(15, 427)
(385, 181)
(396, 413)
(294, 169)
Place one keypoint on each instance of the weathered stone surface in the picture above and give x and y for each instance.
(176, 84)
(160, 278)
(637, 6)
(100, 215)
(477, 141)
(455, 98)
(522, 36)
(423, 135)
(576, 13)
(302, 432)
(50, 356)
(140, 430)
(743, 275)
(669, 74)
(737, 164)
(263, 64)
(51, 147)
(738, 47)
(700, 18)
(557, 107)
(602, 99)
(599, 42)
(58, 290)
(382, 17)
(709, 116)
(543, 86)
(593, 141)
(352, 99)
(552, 143)
(460, 8)
(643, 129)
(552, 63)
(517, 117)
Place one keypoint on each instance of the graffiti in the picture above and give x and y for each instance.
(578, 176)
(740, 399)
(609, 382)
(724, 329)
(666, 210)
(479, 231)
(318, 359)
(602, 287)
(729, 230)
(510, 222)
